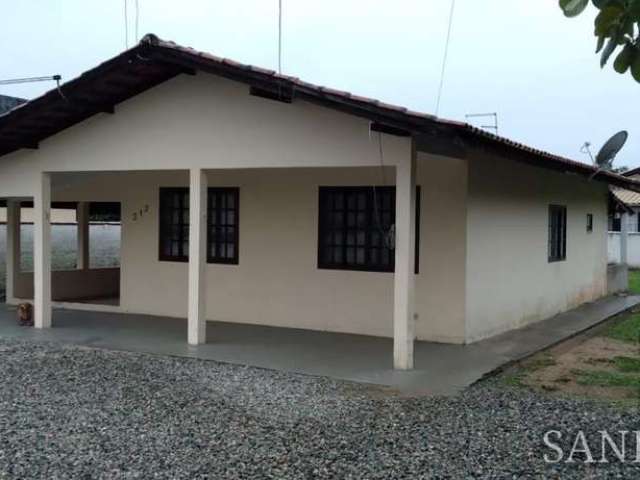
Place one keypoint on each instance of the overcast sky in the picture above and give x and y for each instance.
(520, 58)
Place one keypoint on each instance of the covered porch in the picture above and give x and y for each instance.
(148, 282)
(439, 369)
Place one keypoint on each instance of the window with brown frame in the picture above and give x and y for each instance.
(355, 228)
(222, 224)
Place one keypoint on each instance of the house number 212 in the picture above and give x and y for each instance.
(140, 213)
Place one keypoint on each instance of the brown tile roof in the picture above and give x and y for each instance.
(154, 61)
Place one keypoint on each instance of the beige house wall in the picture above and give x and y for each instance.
(277, 281)
(202, 121)
(69, 285)
(58, 215)
(510, 282)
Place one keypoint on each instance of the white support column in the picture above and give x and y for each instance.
(82, 218)
(13, 248)
(624, 235)
(197, 257)
(403, 299)
(42, 252)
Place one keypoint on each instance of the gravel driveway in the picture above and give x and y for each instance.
(72, 412)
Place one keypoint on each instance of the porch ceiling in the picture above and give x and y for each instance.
(154, 61)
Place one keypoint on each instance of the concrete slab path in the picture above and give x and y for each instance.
(440, 369)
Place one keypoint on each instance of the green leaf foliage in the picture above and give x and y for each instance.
(625, 58)
(617, 29)
(635, 68)
(608, 51)
(608, 20)
(573, 8)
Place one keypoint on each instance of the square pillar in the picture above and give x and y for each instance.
(624, 238)
(13, 248)
(404, 277)
(42, 252)
(82, 219)
(197, 323)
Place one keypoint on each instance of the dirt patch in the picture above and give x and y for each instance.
(563, 371)
(592, 365)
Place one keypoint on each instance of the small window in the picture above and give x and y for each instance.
(355, 230)
(222, 237)
(589, 222)
(222, 225)
(615, 223)
(557, 233)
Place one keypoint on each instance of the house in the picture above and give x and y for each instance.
(629, 218)
(7, 102)
(254, 197)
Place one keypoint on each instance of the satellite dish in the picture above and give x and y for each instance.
(606, 155)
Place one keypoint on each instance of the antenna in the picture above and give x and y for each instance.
(607, 154)
(13, 81)
(493, 115)
(586, 149)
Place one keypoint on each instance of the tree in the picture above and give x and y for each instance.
(617, 29)
(620, 170)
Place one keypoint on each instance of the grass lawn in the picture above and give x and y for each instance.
(634, 282)
(626, 329)
(607, 379)
(627, 364)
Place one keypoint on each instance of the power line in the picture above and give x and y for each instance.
(137, 18)
(126, 27)
(279, 36)
(444, 58)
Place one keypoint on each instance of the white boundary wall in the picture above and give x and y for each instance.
(633, 248)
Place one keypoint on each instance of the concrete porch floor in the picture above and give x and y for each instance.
(440, 369)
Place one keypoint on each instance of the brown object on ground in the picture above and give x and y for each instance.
(25, 314)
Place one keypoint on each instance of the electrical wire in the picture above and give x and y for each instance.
(445, 56)
(279, 36)
(137, 19)
(387, 236)
(381, 153)
(126, 26)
